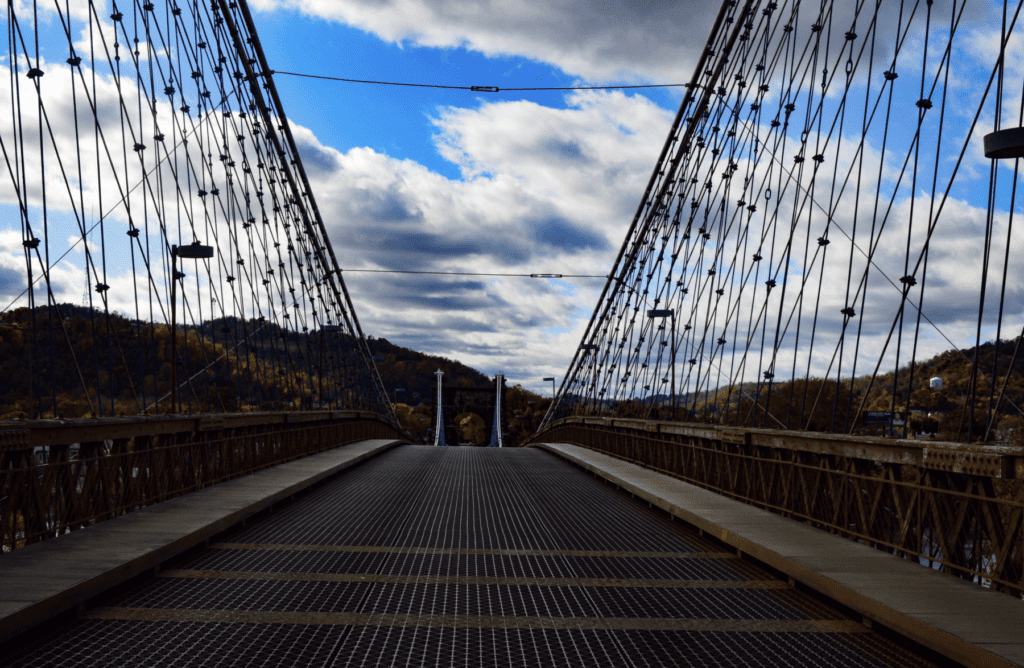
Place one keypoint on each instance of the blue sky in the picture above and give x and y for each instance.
(391, 119)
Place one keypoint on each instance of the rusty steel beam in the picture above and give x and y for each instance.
(997, 461)
(40, 433)
(62, 475)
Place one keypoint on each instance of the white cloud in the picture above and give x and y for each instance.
(543, 191)
(598, 40)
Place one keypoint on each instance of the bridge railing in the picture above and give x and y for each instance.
(949, 506)
(61, 475)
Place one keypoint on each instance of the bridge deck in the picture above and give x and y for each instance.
(463, 556)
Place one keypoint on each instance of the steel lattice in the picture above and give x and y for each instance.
(163, 128)
(782, 245)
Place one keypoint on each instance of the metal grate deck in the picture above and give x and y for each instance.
(464, 557)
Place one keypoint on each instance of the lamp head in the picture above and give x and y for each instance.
(193, 251)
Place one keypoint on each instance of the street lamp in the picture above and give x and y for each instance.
(194, 251)
(552, 387)
(669, 313)
(591, 348)
(324, 328)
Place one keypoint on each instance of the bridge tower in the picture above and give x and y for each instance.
(439, 412)
(499, 381)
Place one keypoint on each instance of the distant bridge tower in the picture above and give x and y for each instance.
(499, 381)
(439, 423)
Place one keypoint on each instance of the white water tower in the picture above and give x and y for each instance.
(935, 384)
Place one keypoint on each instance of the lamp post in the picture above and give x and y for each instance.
(669, 313)
(194, 251)
(592, 348)
(324, 328)
(552, 387)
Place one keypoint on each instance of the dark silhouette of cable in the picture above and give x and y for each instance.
(476, 273)
(478, 89)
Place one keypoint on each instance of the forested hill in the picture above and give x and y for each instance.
(248, 365)
(235, 365)
(413, 372)
(823, 405)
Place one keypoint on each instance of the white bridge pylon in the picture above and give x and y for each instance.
(496, 429)
(439, 425)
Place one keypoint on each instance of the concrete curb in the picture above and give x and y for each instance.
(956, 619)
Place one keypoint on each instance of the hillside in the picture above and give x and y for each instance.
(235, 366)
(413, 372)
(247, 366)
(811, 404)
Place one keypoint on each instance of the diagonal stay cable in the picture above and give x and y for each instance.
(116, 204)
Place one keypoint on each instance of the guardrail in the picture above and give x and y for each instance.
(61, 475)
(926, 501)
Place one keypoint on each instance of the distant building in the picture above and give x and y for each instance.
(935, 384)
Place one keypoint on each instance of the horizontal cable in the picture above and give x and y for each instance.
(478, 89)
(476, 273)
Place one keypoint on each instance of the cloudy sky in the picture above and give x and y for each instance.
(444, 180)
(547, 182)
(436, 180)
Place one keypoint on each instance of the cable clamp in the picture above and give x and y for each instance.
(485, 89)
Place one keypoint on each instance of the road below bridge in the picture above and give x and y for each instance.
(471, 557)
